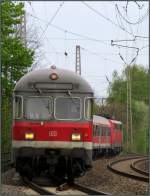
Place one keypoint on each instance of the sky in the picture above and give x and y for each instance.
(59, 26)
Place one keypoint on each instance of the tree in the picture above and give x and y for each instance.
(16, 59)
(117, 102)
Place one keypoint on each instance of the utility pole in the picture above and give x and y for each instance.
(22, 29)
(127, 128)
(129, 109)
(78, 60)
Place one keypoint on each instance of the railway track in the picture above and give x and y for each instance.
(135, 166)
(64, 189)
(127, 167)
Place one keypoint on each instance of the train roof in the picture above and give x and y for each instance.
(100, 120)
(65, 77)
(116, 122)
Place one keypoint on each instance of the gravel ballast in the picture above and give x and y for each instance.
(99, 177)
(104, 180)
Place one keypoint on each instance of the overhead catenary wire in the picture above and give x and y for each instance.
(79, 35)
(74, 33)
(140, 6)
(124, 46)
(121, 20)
(132, 23)
(45, 37)
(139, 36)
(52, 18)
(129, 87)
(106, 18)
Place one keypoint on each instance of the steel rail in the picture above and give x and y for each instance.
(123, 173)
(135, 168)
(75, 186)
(89, 191)
(37, 188)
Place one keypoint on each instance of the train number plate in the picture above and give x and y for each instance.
(52, 133)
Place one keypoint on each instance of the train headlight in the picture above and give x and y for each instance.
(29, 136)
(76, 137)
(53, 76)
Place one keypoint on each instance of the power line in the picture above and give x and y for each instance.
(124, 46)
(140, 6)
(144, 37)
(51, 20)
(79, 35)
(76, 39)
(132, 23)
(37, 35)
(106, 59)
(73, 33)
(144, 47)
(106, 18)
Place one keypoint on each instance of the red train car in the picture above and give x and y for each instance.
(116, 135)
(52, 128)
(107, 135)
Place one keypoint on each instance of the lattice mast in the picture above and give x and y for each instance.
(78, 60)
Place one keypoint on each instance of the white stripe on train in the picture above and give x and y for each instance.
(52, 144)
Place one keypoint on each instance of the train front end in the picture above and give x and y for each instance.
(52, 128)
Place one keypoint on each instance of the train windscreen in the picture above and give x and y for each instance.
(67, 108)
(38, 108)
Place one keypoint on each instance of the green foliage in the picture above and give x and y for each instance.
(117, 102)
(16, 59)
(6, 124)
(10, 17)
(96, 108)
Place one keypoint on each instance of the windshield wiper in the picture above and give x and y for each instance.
(37, 89)
(45, 104)
(69, 93)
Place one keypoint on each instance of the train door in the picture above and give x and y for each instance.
(112, 134)
(100, 138)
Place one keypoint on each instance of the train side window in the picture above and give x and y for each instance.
(88, 108)
(121, 127)
(17, 107)
(100, 130)
(103, 131)
(107, 131)
(94, 130)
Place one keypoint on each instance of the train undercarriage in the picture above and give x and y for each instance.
(66, 165)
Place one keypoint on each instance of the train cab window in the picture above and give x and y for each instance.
(88, 108)
(18, 107)
(38, 108)
(67, 108)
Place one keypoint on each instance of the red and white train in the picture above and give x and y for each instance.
(53, 127)
(107, 135)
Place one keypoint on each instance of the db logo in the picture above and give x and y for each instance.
(52, 133)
